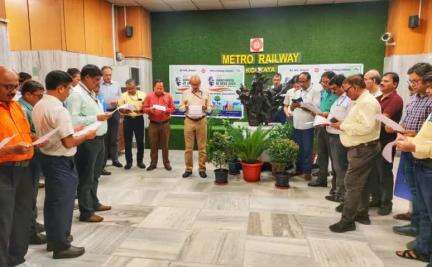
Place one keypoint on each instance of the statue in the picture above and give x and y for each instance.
(257, 101)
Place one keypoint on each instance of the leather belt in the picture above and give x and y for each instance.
(195, 119)
(159, 122)
(423, 162)
(371, 143)
(24, 163)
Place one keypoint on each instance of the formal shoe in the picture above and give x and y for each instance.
(38, 239)
(151, 167)
(71, 252)
(93, 219)
(363, 219)
(342, 227)
(334, 198)
(168, 167)
(332, 191)
(103, 208)
(141, 165)
(187, 174)
(105, 172)
(374, 203)
(49, 247)
(403, 216)
(203, 174)
(317, 183)
(339, 208)
(39, 227)
(407, 230)
(128, 166)
(117, 164)
(307, 177)
(410, 245)
(385, 210)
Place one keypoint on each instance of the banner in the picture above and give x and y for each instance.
(220, 81)
(288, 71)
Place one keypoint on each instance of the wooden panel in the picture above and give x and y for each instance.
(2, 9)
(92, 26)
(45, 24)
(428, 18)
(18, 26)
(147, 49)
(74, 25)
(106, 29)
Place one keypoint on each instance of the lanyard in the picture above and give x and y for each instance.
(341, 101)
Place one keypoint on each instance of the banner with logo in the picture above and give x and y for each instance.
(220, 81)
(288, 71)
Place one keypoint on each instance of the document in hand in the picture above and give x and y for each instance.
(195, 111)
(311, 107)
(6, 140)
(92, 127)
(390, 123)
(320, 120)
(159, 107)
(388, 151)
(45, 138)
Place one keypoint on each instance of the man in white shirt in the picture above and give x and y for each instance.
(303, 123)
(61, 179)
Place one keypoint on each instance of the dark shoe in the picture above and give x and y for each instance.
(187, 174)
(385, 210)
(317, 183)
(93, 219)
(128, 166)
(71, 252)
(203, 174)
(49, 247)
(151, 167)
(38, 239)
(117, 164)
(141, 165)
(374, 204)
(103, 208)
(363, 219)
(334, 198)
(403, 216)
(39, 228)
(339, 208)
(407, 230)
(342, 227)
(105, 172)
(332, 191)
(168, 167)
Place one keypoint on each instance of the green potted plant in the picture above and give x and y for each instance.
(218, 154)
(249, 145)
(282, 152)
(234, 165)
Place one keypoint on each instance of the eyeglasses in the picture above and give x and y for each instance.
(347, 89)
(412, 82)
(39, 96)
(9, 87)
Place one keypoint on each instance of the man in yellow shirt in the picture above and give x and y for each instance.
(133, 123)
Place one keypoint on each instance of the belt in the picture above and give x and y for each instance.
(371, 143)
(24, 163)
(160, 122)
(423, 162)
(195, 119)
(133, 117)
(100, 137)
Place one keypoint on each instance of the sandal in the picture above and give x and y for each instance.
(412, 255)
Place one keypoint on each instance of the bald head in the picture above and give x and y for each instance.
(372, 79)
(8, 84)
(195, 82)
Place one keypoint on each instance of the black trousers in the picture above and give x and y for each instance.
(89, 163)
(323, 151)
(111, 138)
(36, 172)
(61, 181)
(134, 126)
(16, 211)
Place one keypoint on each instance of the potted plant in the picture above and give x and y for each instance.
(234, 165)
(282, 152)
(218, 153)
(249, 145)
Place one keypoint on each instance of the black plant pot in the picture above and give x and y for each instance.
(282, 180)
(234, 167)
(221, 176)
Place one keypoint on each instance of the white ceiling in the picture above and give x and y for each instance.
(183, 5)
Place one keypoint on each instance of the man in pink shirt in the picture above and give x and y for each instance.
(159, 105)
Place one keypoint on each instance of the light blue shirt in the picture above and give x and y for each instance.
(110, 92)
(84, 107)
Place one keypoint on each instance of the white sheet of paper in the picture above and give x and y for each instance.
(159, 107)
(195, 111)
(320, 120)
(388, 151)
(390, 123)
(6, 140)
(311, 107)
(44, 138)
(88, 128)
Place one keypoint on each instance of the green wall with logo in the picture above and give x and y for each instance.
(337, 33)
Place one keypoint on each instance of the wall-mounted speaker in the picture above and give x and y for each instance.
(129, 31)
(413, 21)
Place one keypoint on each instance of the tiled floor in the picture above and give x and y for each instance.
(160, 219)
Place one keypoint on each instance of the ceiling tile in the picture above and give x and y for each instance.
(236, 4)
(290, 2)
(319, 2)
(263, 3)
(208, 4)
(180, 5)
(155, 5)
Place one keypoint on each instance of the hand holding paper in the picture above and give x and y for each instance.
(320, 121)
(6, 140)
(45, 138)
(159, 107)
(92, 127)
(311, 107)
(390, 123)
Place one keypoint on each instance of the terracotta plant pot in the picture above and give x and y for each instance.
(251, 171)
(282, 180)
(221, 176)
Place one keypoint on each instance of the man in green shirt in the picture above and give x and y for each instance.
(31, 93)
(323, 148)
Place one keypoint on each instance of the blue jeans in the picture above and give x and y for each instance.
(304, 138)
(61, 181)
(408, 169)
(423, 178)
